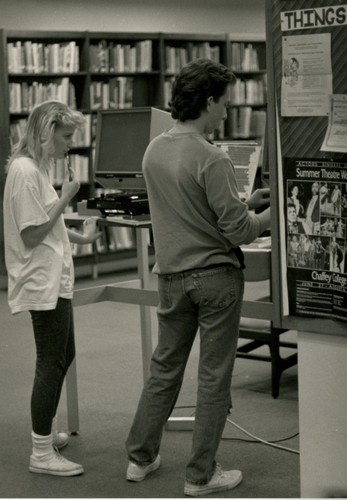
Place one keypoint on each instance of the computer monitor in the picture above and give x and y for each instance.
(122, 137)
(160, 121)
(245, 156)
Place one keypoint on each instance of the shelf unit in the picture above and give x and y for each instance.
(247, 115)
(179, 49)
(108, 70)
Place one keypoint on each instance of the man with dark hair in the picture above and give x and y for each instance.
(198, 222)
(195, 84)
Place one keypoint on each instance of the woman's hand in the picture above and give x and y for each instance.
(89, 235)
(91, 238)
(69, 189)
(90, 230)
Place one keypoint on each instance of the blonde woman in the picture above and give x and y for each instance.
(40, 269)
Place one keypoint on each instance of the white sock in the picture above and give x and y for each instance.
(54, 430)
(42, 445)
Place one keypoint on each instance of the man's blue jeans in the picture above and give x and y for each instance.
(209, 300)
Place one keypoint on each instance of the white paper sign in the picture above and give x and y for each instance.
(336, 136)
(306, 75)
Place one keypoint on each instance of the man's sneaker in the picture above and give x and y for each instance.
(60, 439)
(139, 472)
(220, 481)
(54, 464)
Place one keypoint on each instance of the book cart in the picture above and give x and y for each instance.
(307, 145)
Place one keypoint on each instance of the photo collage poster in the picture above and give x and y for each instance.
(316, 243)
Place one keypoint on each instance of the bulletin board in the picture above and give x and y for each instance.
(307, 156)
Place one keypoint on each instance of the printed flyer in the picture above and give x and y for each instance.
(336, 134)
(316, 245)
(307, 75)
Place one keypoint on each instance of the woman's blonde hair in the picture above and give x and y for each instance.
(37, 141)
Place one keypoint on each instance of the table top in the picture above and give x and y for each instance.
(75, 218)
(127, 221)
(262, 244)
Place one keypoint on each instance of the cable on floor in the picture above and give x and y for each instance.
(268, 443)
(255, 438)
(256, 441)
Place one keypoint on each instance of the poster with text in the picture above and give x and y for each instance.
(307, 75)
(316, 243)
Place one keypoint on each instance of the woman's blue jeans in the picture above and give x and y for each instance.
(209, 300)
(55, 350)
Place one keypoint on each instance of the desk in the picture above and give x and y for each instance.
(137, 292)
(131, 292)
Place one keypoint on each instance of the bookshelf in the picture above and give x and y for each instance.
(179, 49)
(247, 115)
(124, 70)
(108, 70)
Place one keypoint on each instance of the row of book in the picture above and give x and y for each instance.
(244, 57)
(109, 57)
(112, 239)
(178, 56)
(205, 50)
(35, 57)
(168, 91)
(249, 91)
(112, 94)
(247, 123)
(115, 93)
(81, 137)
(25, 95)
(245, 91)
(78, 163)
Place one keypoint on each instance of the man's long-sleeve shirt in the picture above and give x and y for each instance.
(198, 218)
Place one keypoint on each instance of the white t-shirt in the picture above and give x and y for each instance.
(36, 276)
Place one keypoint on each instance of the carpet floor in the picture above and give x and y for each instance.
(109, 384)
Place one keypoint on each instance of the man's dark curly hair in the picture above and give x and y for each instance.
(193, 85)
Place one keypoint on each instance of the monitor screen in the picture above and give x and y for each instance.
(122, 137)
(245, 156)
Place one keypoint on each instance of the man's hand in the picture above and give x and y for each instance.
(259, 198)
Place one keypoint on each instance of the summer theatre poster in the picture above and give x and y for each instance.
(316, 245)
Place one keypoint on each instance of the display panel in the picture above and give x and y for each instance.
(122, 137)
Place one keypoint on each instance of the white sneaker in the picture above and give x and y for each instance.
(54, 464)
(220, 481)
(60, 439)
(138, 473)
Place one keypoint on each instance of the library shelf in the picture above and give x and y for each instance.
(109, 70)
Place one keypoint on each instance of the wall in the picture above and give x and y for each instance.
(183, 16)
(322, 415)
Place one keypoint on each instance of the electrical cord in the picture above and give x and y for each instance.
(255, 439)
(268, 443)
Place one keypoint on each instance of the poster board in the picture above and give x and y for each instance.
(307, 149)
